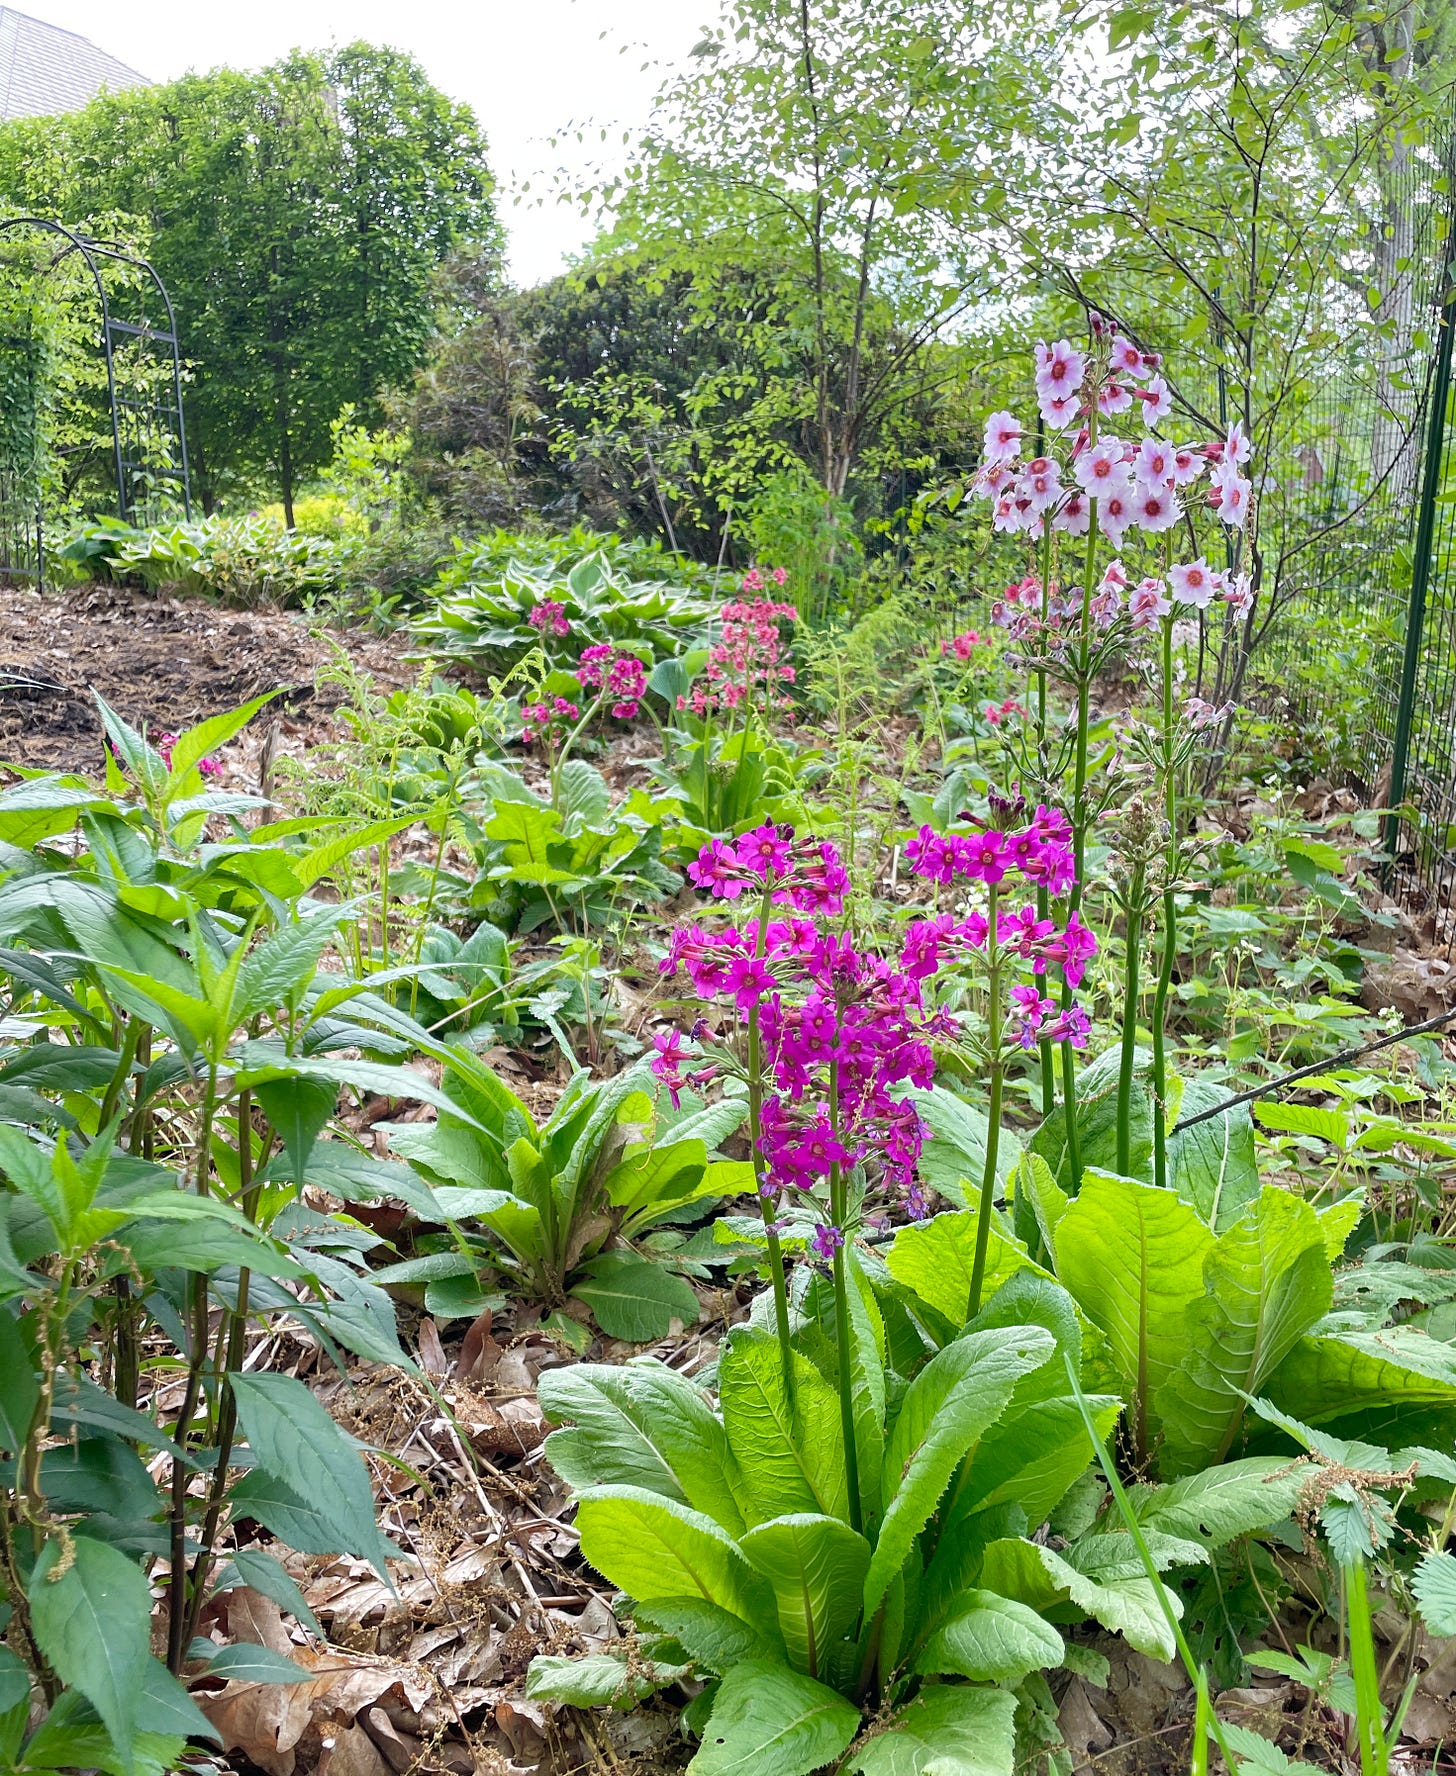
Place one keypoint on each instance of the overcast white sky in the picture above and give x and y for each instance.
(529, 68)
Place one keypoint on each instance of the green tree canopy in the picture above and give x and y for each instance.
(296, 215)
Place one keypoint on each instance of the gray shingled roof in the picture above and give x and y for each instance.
(44, 70)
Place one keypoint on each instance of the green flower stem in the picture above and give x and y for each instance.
(1170, 925)
(1079, 817)
(1129, 1022)
(755, 1131)
(838, 1214)
(993, 1113)
(1043, 899)
(1207, 1718)
(570, 741)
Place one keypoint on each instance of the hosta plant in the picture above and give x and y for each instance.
(496, 619)
(555, 1207)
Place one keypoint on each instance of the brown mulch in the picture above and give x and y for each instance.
(163, 663)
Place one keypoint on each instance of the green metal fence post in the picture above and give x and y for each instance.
(1421, 565)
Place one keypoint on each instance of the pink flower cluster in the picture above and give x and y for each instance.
(805, 874)
(747, 665)
(546, 718)
(207, 767)
(962, 646)
(839, 1026)
(1041, 851)
(757, 578)
(615, 673)
(1134, 485)
(549, 617)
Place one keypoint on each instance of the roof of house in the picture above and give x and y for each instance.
(45, 70)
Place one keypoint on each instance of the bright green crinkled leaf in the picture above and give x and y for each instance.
(91, 1618)
(1268, 1282)
(991, 1639)
(651, 1547)
(790, 1457)
(1232, 1499)
(712, 1638)
(635, 1299)
(953, 1157)
(1392, 1387)
(1213, 1164)
(948, 1730)
(1121, 1598)
(770, 1721)
(1132, 1256)
(960, 1392)
(936, 1259)
(640, 1424)
(1305, 1119)
(816, 1566)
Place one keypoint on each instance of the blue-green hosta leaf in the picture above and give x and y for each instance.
(1268, 1282)
(597, 1681)
(948, 1730)
(635, 1299)
(1213, 1165)
(789, 1452)
(816, 1567)
(961, 1391)
(91, 1618)
(770, 1721)
(935, 1258)
(991, 1639)
(1434, 1584)
(652, 1547)
(640, 1424)
(1132, 1256)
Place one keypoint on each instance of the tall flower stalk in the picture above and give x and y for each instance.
(1087, 482)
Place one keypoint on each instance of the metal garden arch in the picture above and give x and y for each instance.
(148, 431)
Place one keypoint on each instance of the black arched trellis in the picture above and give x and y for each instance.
(140, 421)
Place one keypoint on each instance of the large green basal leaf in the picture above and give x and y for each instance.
(1132, 1257)
(816, 1566)
(1213, 1164)
(640, 1424)
(1393, 1387)
(652, 1547)
(789, 1454)
(936, 1258)
(960, 1392)
(634, 1299)
(1268, 1282)
(1097, 1116)
(953, 1156)
(711, 1637)
(770, 1721)
(1123, 1599)
(992, 1639)
(948, 1730)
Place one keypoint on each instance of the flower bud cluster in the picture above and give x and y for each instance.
(549, 617)
(546, 720)
(747, 665)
